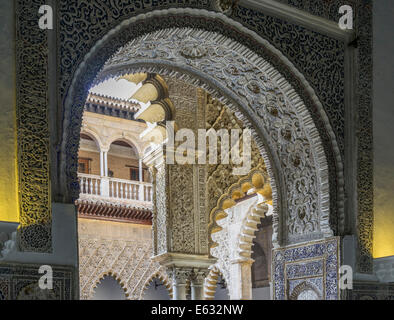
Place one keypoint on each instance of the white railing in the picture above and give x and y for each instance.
(89, 184)
(114, 188)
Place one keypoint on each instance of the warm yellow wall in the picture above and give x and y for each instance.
(119, 166)
(110, 230)
(8, 152)
(384, 212)
(383, 119)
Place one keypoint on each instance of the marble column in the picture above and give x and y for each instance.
(102, 163)
(179, 279)
(241, 277)
(104, 190)
(140, 171)
(197, 284)
(106, 163)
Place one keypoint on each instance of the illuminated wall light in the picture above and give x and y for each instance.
(9, 204)
(383, 236)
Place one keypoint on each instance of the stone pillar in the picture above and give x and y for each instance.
(102, 163)
(241, 278)
(104, 188)
(197, 283)
(105, 157)
(141, 190)
(183, 267)
(180, 219)
(179, 278)
(140, 171)
(155, 160)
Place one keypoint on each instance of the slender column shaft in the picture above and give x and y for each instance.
(179, 291)
(197, 291)
(102, 163)
(140, 171)
(197, 283)
(106, 163)
(241, 275)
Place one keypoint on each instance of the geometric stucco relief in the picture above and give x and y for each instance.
(112, 251)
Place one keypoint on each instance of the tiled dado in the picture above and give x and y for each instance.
(21, 282)
(309, 270)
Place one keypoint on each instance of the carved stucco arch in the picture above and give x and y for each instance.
(253, 215)
(243, 185)
(99, 278)
(86, 73)
(163, 277)
(130, 293)
(235, 241)
(211, 282)
(249, 229)
(138, 52)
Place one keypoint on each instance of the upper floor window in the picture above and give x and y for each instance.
(134, 174)
(84, 165)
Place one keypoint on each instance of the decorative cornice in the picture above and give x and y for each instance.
(108, 101)
(102, 210)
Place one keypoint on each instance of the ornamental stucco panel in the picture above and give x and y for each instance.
(119, 249)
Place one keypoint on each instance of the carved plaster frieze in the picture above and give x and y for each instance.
(128, 261)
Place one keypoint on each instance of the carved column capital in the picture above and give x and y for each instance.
(178, 275)
(198, 276)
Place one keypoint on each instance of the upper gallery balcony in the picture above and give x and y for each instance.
(114, 182)
(120, 190)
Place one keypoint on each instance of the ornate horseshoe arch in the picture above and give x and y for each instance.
(249, 84)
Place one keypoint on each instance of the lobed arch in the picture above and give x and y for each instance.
(233, 250)
(101, 277)
(249, 229)
(211, 282)
(309, 113)
(163, 277)
(256, 181)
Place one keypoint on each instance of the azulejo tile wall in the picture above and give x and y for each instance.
(309, 267)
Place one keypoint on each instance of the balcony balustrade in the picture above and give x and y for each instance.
(112, 188)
